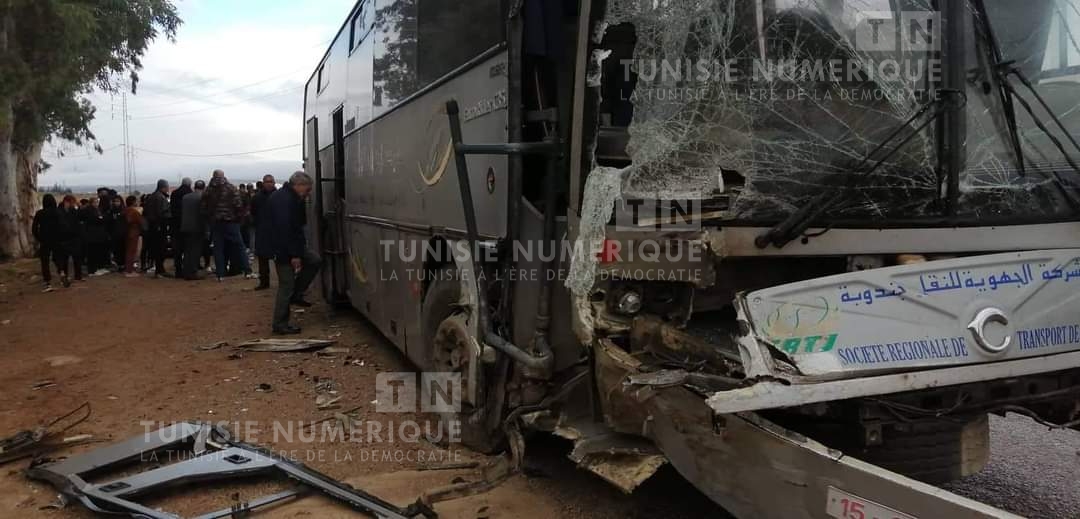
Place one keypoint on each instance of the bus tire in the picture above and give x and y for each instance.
(446, 340)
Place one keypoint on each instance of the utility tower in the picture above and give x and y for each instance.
(130, 180)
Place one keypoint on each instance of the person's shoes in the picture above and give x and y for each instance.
(299, 301)
(287, 330)
(100, 272)
(262, 286)
(48, 288)
(132, 275)
(163, 275)
(250, 275)
(65, 281)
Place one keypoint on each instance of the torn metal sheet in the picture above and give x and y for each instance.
(622, 460)
(285, 345)
(208, 454)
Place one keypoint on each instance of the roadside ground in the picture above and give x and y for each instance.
(134, 349)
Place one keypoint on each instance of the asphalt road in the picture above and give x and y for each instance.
(1033, 471)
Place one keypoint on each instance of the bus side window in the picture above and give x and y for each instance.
(360, 26)
(395, 52)
(452, 33)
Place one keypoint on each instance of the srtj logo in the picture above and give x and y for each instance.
(914, 31)
(398, 393)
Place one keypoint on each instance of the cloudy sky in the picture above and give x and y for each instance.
(232, 83)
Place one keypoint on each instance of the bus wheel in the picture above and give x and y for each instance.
(447, 335)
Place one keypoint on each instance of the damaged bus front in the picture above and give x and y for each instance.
(825, 239)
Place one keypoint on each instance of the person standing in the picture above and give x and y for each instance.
(68, 241)
(193, 230)
(156, 213)
(116, 226)
(176, 210)
(245, 216)
(296, 265)
(264, 229)
(222, 208)
(44, 229)
(97, 238)
(134, 220)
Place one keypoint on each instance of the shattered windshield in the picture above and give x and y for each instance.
(1040, 39)
(764, 104)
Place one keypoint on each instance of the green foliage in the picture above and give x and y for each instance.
(60, 50)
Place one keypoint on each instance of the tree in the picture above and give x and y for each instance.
(52, 54)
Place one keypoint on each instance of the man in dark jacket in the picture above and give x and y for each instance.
(116, 225)
(223, 209)
(96, 238)
(264, 229)
(68, 241)
(176, 209)
(44, 229)
(156, 212)
(296, 265)
(193, 230)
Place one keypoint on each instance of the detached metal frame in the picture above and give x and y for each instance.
(208, 453)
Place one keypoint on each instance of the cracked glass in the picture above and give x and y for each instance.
(759, 105)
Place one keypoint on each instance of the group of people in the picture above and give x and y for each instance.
(188, 225)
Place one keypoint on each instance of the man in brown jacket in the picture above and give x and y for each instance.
(222, 207)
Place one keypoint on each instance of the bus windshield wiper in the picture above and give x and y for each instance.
(1006, 94)
(800, 221)
(1001, 71)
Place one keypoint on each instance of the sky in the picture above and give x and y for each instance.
(231, 83)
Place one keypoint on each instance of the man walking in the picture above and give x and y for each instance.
(296, 265)
(156, 212)
(222, 208)
(264, 229)
(192, 230)
(176, 208)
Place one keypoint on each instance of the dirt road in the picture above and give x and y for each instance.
(132, 348)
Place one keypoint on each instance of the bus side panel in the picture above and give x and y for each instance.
(412, 187)
(365, 291)
(415, 181)
(393, 290)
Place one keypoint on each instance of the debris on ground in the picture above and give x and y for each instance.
(451, 466)
(45, 438)
(215, 346)
(42, 384)
(324, 385)
(209, 454)
(324, 402)
(62, 360)
(264, 388)
(236, 355)
(333, 351)
(285, 345)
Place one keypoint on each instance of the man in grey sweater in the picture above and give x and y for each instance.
(193, 227)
